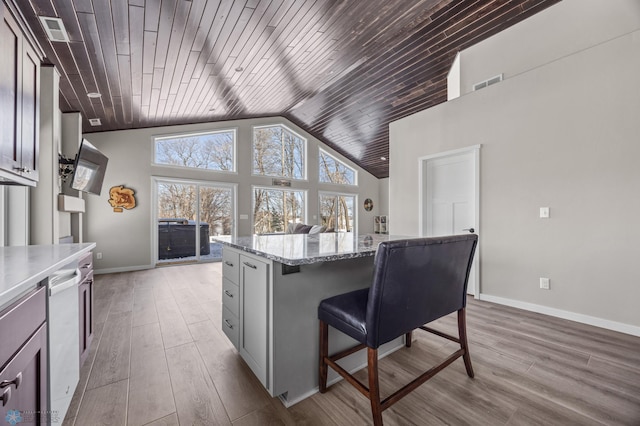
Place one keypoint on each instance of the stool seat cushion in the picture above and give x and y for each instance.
(347, 313)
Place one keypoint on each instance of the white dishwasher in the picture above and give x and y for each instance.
(64, 339)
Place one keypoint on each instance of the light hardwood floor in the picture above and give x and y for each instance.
(159, 357)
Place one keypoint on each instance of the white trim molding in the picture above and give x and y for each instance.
(559, 313)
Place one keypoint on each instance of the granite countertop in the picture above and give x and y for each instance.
(24, 266)
(303, 249)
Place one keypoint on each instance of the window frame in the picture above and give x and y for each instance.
(355, 172)
(305, 167)
(233, 130)
(305, 207)
(155, 180)
(340, 194)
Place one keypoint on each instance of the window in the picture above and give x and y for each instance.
(278, 152)
(188, 214)
(334, 171)
(210, 151)
(337, 211)
(275, 209)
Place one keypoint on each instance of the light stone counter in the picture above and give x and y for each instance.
(23, 267)
(305, 249)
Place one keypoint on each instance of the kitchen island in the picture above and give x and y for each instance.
(272, 286)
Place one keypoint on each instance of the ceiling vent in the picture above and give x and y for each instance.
(95, 122)
(55, 29)
(493, 80)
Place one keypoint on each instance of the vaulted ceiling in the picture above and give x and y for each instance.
(341, 70)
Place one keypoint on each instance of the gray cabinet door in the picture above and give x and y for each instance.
(254, 316)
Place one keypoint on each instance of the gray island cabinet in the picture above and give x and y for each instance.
(272, 285)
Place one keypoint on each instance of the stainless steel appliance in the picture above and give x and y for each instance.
(64, 340)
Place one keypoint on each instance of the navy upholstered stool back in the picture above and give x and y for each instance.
(415, 282)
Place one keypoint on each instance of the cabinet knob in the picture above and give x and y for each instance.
(16, 381)
(6, 396)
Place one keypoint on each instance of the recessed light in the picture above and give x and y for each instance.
(95, 122)
(383, 158)
(239, 69)
(94, 95)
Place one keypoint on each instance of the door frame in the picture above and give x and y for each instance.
(154, 210)
(422, 198)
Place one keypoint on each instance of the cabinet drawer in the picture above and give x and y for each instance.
(85, 264)
(231, 265)
(230, 326)
(21, 320)
(230, 296)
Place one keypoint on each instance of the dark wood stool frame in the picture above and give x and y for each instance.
(373, 391)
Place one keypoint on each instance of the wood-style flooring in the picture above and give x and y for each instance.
(159, 357)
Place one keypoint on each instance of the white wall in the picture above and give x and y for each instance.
(563, 29)
(564, 134)
(125, 238)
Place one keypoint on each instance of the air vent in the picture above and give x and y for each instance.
(493, 80)
(95, 122)
(55, 29)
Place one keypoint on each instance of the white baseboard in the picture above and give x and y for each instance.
(122, 269)
(585, 319)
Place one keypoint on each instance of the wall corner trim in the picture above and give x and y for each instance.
(559, 313)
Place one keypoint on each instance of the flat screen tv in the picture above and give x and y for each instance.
(89, 168)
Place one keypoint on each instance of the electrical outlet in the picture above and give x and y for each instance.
(544, 283)
(544, 212)
(99, 256)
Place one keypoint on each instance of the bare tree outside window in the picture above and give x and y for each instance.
(275, 209)
(331, 170)
(211, 151)
(336, 211)
(278, 152)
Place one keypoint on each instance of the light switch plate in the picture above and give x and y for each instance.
(544, 212)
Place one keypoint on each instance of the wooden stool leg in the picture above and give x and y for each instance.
(374, 388)
(462, 333)
(324, 352)
(407, 340)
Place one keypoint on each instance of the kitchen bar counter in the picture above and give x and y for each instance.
(272, 285)
(305, 249)
(22, 267)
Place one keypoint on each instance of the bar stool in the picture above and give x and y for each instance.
(415, 281)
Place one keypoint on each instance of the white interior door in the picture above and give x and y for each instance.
(450, 199)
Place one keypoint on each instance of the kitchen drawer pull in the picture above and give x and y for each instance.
(250, 265)
(16, 381)
(228, 293)
(226, 262)
(86, 265)
(226, 321)
(6, 396)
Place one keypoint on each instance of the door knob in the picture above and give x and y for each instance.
(471, 230)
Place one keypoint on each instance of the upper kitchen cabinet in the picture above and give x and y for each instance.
(19, 101)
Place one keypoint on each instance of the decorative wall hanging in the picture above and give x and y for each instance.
(121, 198)
(368, 204)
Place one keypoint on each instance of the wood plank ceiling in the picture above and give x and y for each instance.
(342, 70)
